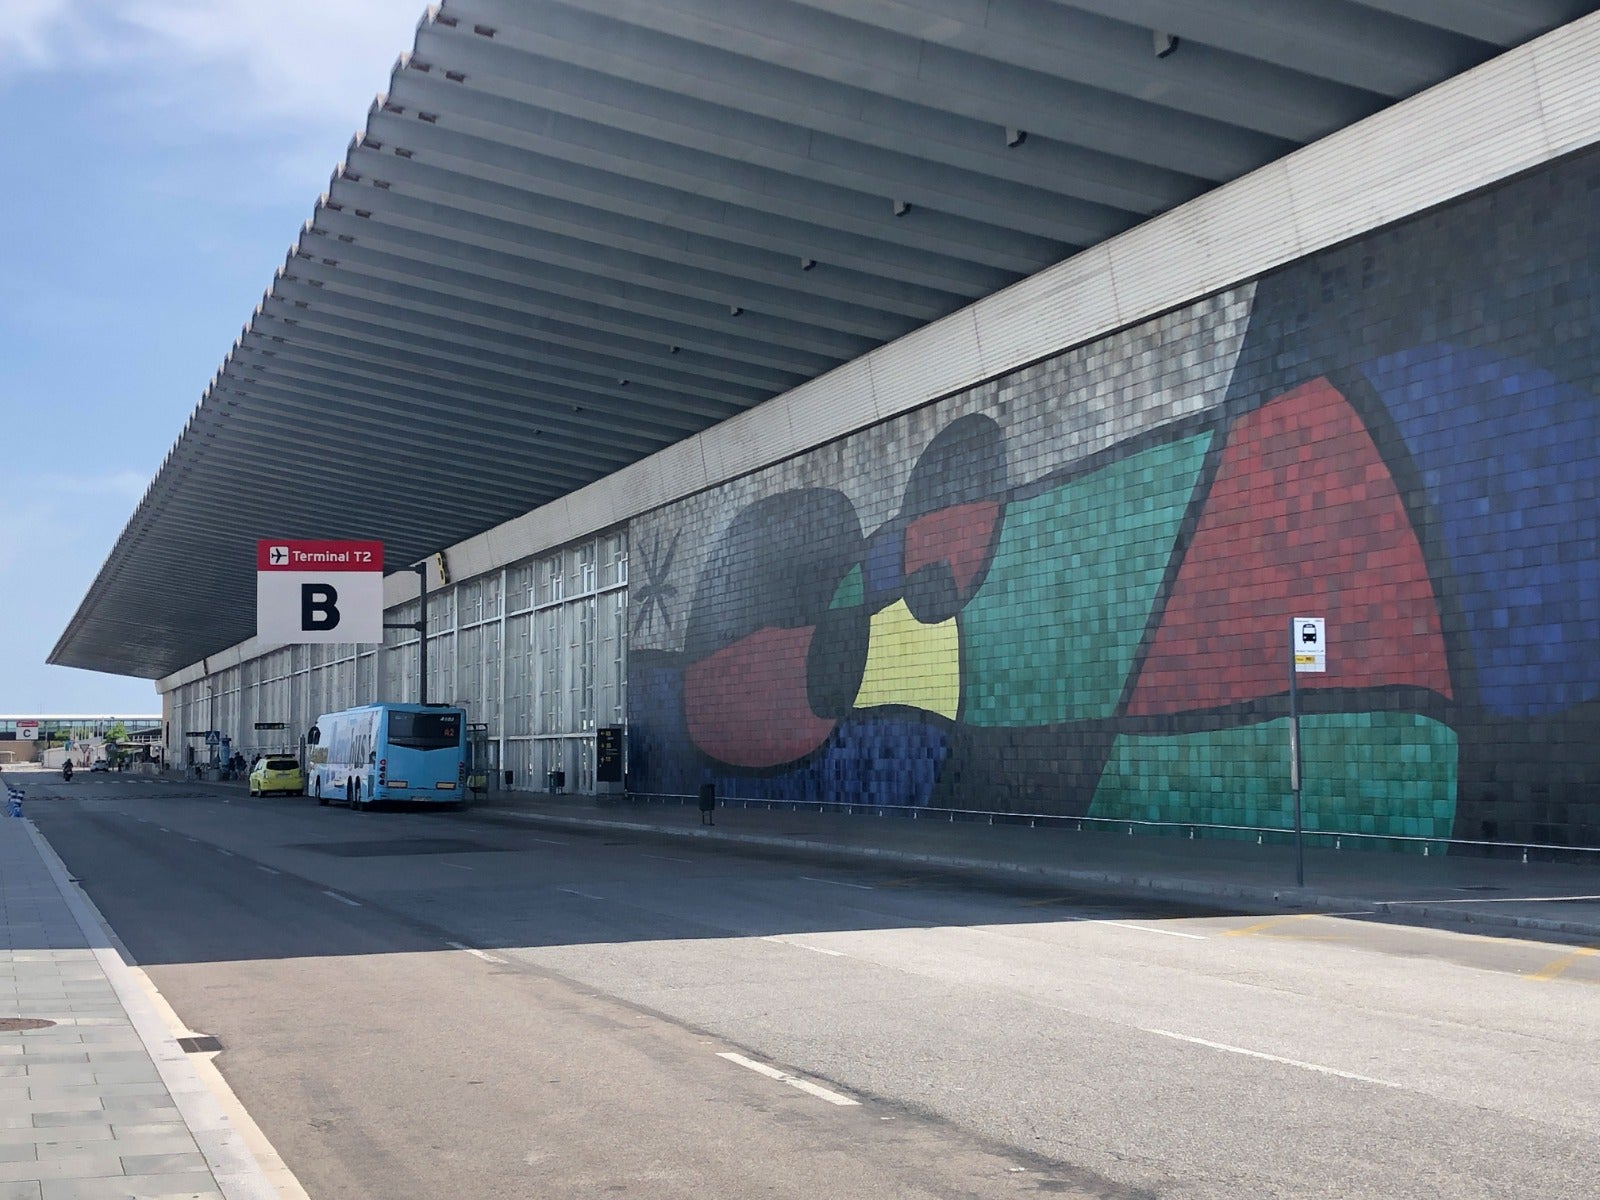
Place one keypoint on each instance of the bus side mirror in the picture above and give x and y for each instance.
(372, 756)
(313, 736)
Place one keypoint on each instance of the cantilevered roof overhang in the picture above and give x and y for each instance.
(572, 234)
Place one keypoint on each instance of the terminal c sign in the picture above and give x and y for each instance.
(317, 591)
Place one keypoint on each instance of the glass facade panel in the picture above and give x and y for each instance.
(537, 652)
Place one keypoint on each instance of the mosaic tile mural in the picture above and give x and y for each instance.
(1068, 591)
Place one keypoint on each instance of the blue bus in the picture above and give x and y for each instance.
(411, 752)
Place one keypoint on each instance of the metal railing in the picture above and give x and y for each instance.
(1190, 830)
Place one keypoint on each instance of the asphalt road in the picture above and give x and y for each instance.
(435, 1005)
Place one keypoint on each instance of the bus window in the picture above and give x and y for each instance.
(425, 730)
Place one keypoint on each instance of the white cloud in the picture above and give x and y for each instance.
(304, 60)
(31, 30)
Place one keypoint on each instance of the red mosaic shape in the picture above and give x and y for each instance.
(959, 535)
(1304, 519)
(747, 706)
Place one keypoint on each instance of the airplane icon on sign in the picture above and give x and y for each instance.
(277, 555)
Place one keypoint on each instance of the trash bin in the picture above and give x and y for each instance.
(558, 780)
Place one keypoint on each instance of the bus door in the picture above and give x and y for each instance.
(482, 759)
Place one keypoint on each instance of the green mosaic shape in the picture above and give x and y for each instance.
(1051, 634)
(1386, 773)
(851, 592)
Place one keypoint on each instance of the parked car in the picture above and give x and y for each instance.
(277, 775)
(100, 764)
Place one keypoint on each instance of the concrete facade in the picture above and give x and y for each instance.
(1041, 555)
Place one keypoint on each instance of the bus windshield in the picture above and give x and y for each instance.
(425, 730)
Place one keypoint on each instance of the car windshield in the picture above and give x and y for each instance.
(282, 764)
(424, 731)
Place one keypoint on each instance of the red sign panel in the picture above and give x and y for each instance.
(319, 557)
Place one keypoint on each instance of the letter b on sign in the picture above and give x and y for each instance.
(319, 607)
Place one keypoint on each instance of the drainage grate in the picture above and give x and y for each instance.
(203, 1044)
(21, 1024)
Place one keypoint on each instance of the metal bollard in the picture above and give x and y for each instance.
(14, 803)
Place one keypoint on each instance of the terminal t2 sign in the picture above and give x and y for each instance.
(319, 591)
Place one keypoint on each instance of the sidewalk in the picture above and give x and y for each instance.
(1492, 894)
(97, 1099)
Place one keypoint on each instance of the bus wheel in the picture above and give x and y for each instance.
(316, 790)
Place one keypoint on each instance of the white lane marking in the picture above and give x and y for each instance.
(476, 953)
(268, 870)
(1199, 937)
(576, 892)
(805, 1085)
(163, 829)
(1289, 1062)
(802, 946)
(229, 853)
(342, 899)
(456, 866)
(864, 887)
(665, 858)
(546, 841)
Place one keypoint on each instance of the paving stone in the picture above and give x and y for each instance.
(124, 1148)
(134, 1087)
(75, 1166)
(131, 1130)
(189, 1186)
(163, 1164)
(59, 1118)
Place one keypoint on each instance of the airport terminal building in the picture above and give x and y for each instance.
(940, 406)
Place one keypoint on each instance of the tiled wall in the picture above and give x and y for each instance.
(1069, 590)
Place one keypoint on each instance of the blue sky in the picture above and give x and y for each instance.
(159, 157)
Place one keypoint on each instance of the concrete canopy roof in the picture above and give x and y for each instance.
(572, 234)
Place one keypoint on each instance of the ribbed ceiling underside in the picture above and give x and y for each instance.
(575, 233)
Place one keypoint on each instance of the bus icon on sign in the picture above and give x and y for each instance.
(1308, 633)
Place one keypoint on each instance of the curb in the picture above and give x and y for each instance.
(1265, 898)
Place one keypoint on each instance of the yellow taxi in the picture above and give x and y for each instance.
(277, 775)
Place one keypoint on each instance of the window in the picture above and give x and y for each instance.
(424, 731)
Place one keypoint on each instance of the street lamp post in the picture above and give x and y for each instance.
(421, 626)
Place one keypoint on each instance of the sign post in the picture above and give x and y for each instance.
(319, 591)
(1308, 644)
(421, 626)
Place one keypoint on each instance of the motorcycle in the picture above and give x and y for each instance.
(66, 772)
